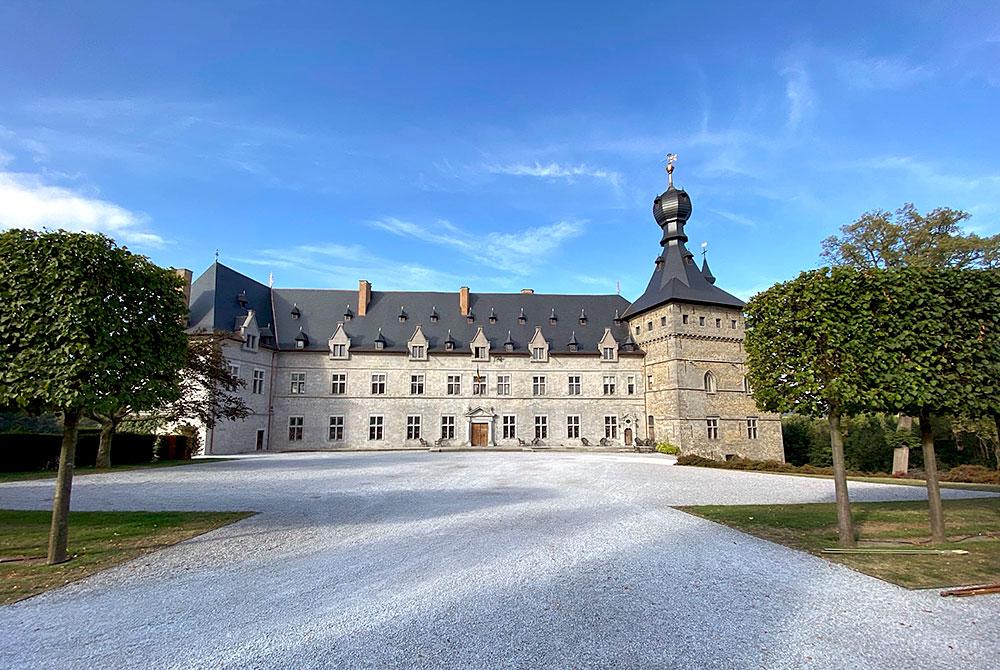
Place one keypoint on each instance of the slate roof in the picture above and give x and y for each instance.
(214, 305)
(676, 277)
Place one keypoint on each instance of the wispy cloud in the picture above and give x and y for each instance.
(29, 203)
(890, 72)
(733, 217)
(518, 253)
(798, 93)
(553, 170)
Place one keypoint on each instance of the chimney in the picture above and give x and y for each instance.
(364, 296)
(463, 300)
(185, 276)
(527, 290)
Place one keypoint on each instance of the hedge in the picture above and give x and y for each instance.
(20, 452)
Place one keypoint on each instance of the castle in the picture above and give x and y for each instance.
(367, 369)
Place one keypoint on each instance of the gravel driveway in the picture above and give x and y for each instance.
(478, 560)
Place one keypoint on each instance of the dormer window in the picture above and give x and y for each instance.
(402, 314)
(434, 314)
(250, 342)
(493, 316)
(348, 314)
(607, 353)
(470, 318)
(299, 344)
(417, 351)
(552, 316)
(508, 346)
(449, 346)
(242, 298)
(339, 350)
(301, 340)
(521, 318)
(538, 353)
(583, 318)
(573, 346)
(479, 353)
(296, 312)
(380, 344)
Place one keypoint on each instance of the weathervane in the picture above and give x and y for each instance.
(704, 249)
(671, 159)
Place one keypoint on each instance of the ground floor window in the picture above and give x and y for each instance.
(447, 428)
(509, 425)
(376, 427)
(413, 427)
(752, 428)
(541, 427)
(650, 427)
(573, 427)
(611, 427)
(713, 428)
(295, 428)
(336, 428)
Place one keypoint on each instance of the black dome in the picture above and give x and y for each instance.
(672, 204)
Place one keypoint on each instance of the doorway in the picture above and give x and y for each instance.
(260, 440)
(480, 434)
(628, 437)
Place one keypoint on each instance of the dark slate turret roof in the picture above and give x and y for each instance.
(676, 277)
(214, 306)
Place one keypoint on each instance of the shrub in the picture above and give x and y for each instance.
(667, 448)
(21, 452)
(976, 474)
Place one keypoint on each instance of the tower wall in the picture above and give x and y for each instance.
(678, 355)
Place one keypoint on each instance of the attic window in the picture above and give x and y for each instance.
(296, 312)
(493, 316)
(718, 323)
(521, 318)
(380, 344)
(470, 318)
(701, 321)
(242, 298)
(684, 319)
(348, 314)
(508, 346)
(449, 346)
(552, 316)
(402, 314)
(573, 346)
(417, 351)
(480, 353)
(583, 318)
(251, 342)
(538, 353)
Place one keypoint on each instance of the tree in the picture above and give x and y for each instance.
(81, 319)
(880, 239)
(811, 350)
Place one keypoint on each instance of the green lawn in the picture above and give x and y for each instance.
(97, 541)
(972, 525)
(90, 470)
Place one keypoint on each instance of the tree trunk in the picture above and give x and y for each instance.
(104, 447)
(59, 530)
(933, 489)
(845, 523)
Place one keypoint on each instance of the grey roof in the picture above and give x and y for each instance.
(676, 277)
(214, 305)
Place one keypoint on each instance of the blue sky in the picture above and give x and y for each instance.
(497, 145)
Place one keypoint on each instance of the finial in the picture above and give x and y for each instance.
(216, 255)
(704, 249)
(671, 159)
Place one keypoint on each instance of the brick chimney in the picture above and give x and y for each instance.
(364, 296)
(463, 300)
(185, 276)
(527, 290)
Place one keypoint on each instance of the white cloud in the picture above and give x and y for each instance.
(28, 203)
(733, 217)
(798, 92)
(517, 253)
(880, 73)
(554, 170)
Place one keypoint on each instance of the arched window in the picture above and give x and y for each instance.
(710, 385)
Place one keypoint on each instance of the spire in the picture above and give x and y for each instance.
(705, 270)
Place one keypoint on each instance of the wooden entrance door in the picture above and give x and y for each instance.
(480, 434)
(628, 436)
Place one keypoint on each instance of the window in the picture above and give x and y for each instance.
(503, 384)
(574, 385)
(339, 351)
(337, 428)
(416, 384)
(258, 382)
(732, 324)
(295, 429)
(611, 427)
(480, 353)
(608, 353)
(609, 384)
(710, 384)
(537, 385)
(454, 384)
(417, 351)
(663, 321)
(752, 428)
(650, 428)
(538, 353)
(338, 383)
(701, 321)
(649, 382)
(413, 427)
(684, 319)
(541, 427)
(234, 370)
(638, 330)
(376, 426)
(447, 428)
(718, 323)
(300, 344)
(713, 428)
(649, 325)
(573, 427)
(378, 384)
(250, 342)
(298, 386)
(509, 426)
(630, 385)
(479, 385)
(746, 386)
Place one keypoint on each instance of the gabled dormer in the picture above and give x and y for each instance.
(480, 346)
(608, 347)
(249, 331)
(340, 344)
(417, 345)
(538, 346)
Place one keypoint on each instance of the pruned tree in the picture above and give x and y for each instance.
(812, 350)
(906, 238)
(82, 319)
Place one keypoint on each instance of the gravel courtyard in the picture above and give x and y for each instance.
(478, 560)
